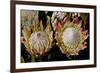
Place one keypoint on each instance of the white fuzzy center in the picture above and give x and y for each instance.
(39, 41)
(70, 37)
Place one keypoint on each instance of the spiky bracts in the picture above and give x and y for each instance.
(71, 38)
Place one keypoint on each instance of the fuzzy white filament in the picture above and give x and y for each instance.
(70, 37)
(39, 42)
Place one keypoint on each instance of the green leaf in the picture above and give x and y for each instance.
(33, 59)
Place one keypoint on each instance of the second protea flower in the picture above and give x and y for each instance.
(71, 38)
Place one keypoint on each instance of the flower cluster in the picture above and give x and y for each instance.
(68, 31)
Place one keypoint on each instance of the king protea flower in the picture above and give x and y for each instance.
(40, 43)
(36, 39)
(71, 38)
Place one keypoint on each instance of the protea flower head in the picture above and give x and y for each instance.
(56, 18)
(41, 40)
(40, 43)
(36, 39)
(71, 38)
